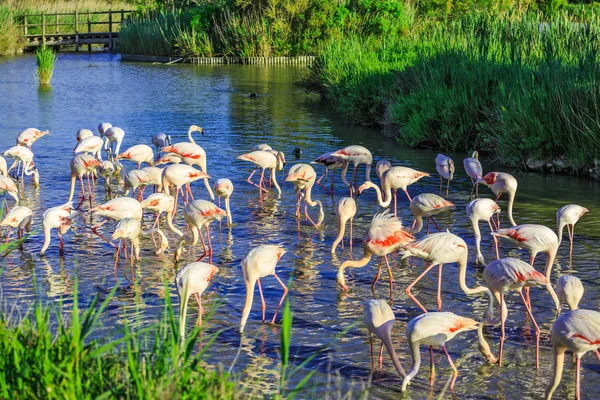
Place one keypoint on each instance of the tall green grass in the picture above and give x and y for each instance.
(10, 37)
(45, 60)
(523, 87)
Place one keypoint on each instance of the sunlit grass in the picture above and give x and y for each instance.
(45, 59)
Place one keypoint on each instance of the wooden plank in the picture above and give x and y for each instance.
(43, 30)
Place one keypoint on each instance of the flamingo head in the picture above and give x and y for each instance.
(489, 178)
(195, 128)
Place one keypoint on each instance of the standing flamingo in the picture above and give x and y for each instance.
(260, 262)
(83, 134)
(439, 249)
(356, 155)
(23, 157)
(384, 236)
(427, 205)
(135, 179)
(179, 175)
(579, 332)
(474, 170)
(154, 177)
(265, 160)
(434, 329)
(382, 166)
(199, 214)
(508, 274)
(18, 218)
(161, 140)
(161, 203)
(445, 168)
(345, 210)
(139, 154)
(501, 182)
(193, 279)
(29, 136)
(114, 136)
(58, 218)
(536, 239)
(568, 215)
(224, 188)
(130, 228)
(394, 178)
(379, 320)
(303, 176)
(478, 210)
(7, 186)
(82, 164)
(192, 154)
(92, 145)
(331, 163)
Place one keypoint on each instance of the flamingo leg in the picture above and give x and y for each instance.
(189, 190)
(391, 276)
(210, 250)
(436, 225)
(432, 367)
(495, 240)
(428, 219)
(200, 308)
(440, 184)
(473, 187)
(571, 236)
(502, 333)
(407, 195)
(89, 189)
(262, 299)
(371, 345)
(285, 292)
(408, 289)
(448, 188)
(381, 357)
(578, 378)
(309, 218)
(8, 236)
(395, 202)
(537, 331)
(350, 238)
(61, 245)
(378, 273)
(249, 180)
(319, 182)
(476, 189)
(455, 371)
(439, 292)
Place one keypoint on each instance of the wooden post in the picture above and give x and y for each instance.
(110, 31)
(56, 23)
(76, 32)
(43, 29)
(122, 18)
(89, 30)
(25, 25)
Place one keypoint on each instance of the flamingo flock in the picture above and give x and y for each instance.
(174, 167)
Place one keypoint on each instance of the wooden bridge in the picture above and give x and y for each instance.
(76, 28)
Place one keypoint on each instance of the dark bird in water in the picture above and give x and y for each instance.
(252, 95)
(297, 152)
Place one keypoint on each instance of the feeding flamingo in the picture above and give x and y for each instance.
(133, 180)
(224, 188)
(445, 168)
(83, 134)
(58, 218)
(394, 178)
(8, 186)
(130, 228)
(161, 203)
(161, 140)
(474, 170)
(478, 210)
(23, 157)
(140, 153)
(82, 164)
(29, 136)
(434, 329)
(114, 137)
(154, 176)
(303, 176)
(18, 218)
(569, 290)
(356, 155)
(3, 166)
(345, 210)
(331, 163)
(501, 182)
(379, 320)
(384, 236)
(117, 209)
(265, 160)
(427, 205)
(179, 175)
(382, 166)
(568, 216)
(92, 145)
(259, 263)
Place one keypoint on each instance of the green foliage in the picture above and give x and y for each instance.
(10, 37)
(45, 60)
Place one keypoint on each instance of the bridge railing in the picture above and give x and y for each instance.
(40, 28)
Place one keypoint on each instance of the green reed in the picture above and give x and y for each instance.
(45, 60)
(10, 37)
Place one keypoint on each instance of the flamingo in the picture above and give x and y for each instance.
(82, 164)
(83, 134)
(18, 218)
(224, 188)
(501, 182)
(117, 209)
(108, 172)
(169, 158)
(482, 209)
(114, 136)
(536, 239)
(139, 153)
(508, 274)
(23, 157)
(379, 320)
(394, 178)
(356, 155)
(161, 140)
(265, 160)
(260, 262)
(179, 175)
(91, 144)
(445, 168)
(579, 332)
(3, 166)
(439, 249)
(7, 186)
(154, 176)
(199, 214)
(58, 218)
(427, 205)
(161, 203)
(192, 154)
(346, 210)
(568, 215)
(193, 279)
(569, 290)
(136, 179)
(303, 176)
(29, 136)
(331, 163)
(130, 228)
(382, 166)
(262, 147)
(474, 169)
(434, 329)
(103, 127)
(384, 236)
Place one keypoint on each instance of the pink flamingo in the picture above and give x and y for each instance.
(356, 155)
(154, 176)
(29, 136)
(133, 180)
(179, 175)
(92, 145)
(501, 182)
(434, 329)
(384, 236)
(161, 203)
(303, 177)
(23, 157)
(445, 168)
(579, 332)
(117, 209)
(140, 153)
(224, 189)
(568, 215)
(260, 262)
(379, 320)
(508, 274)
(193, 279)
(114, 136)
(3, 166)
(130, 228)
(18, 218)
(393, 178)
(7, 186)
(265, 160)
(169, 158)
(82, 164)
(345, 210)
(199, 214)
(536, 239)
(331, 163)
(482, 210)
(474, 170)
(58, 218)
(85, 133)
(427, 205)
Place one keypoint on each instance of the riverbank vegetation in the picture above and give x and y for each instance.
(45, 60)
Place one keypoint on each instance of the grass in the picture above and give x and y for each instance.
(522, 87)
(45, 60)
(10, 36)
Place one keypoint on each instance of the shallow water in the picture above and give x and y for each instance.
(144, 99)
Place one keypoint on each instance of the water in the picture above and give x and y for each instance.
(144, 99)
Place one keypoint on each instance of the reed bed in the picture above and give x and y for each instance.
(45, 60)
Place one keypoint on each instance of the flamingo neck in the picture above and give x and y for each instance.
(418, 227)
(344, 172)
(477, 234)
(274, 179)
(47, 237)
(170, 224)
(560, 226)
(72, 190)
(190, 138)
(511, 201)
(559, 362)
(352, 264)
(250, 283)
(228, 211)
(462, 282)
(183, 304)
(386, 338)
(368, 172)
(416, 356)
(340, 236)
